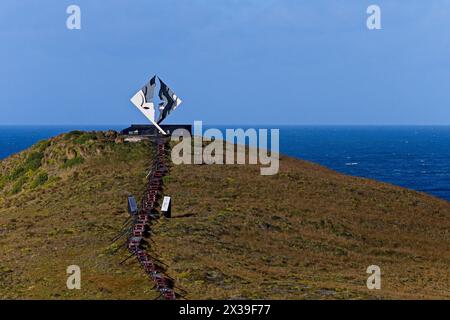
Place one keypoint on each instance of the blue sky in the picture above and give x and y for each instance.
(231, 61)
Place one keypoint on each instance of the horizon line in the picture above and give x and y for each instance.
(229, 124)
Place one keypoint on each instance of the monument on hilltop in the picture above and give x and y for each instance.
(144, 101)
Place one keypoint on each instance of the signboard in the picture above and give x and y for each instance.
(166, 207)
(132, 206)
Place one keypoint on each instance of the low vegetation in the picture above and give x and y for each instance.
(306, 233)
(53, 215)
(69, 163)
(40, 179)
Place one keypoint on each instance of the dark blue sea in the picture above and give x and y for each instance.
(416, 157)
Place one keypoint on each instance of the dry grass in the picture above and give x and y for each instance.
(69, 220)
(306, 233)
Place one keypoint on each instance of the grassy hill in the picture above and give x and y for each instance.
(47, 224)
(306, 233)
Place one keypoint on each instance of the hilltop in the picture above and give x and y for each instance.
(305, 233)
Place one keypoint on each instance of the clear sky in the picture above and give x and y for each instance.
(231, 61)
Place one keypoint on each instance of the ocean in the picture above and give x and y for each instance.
(415, 157)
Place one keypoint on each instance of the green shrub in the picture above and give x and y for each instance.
(85, 137)
(42, 145)
(39, 180)
(3, 180)
(72, 134)
(33, 161)
(73, 162)
(18, 186)
(17, 173)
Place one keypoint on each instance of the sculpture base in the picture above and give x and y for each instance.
(151, 131)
